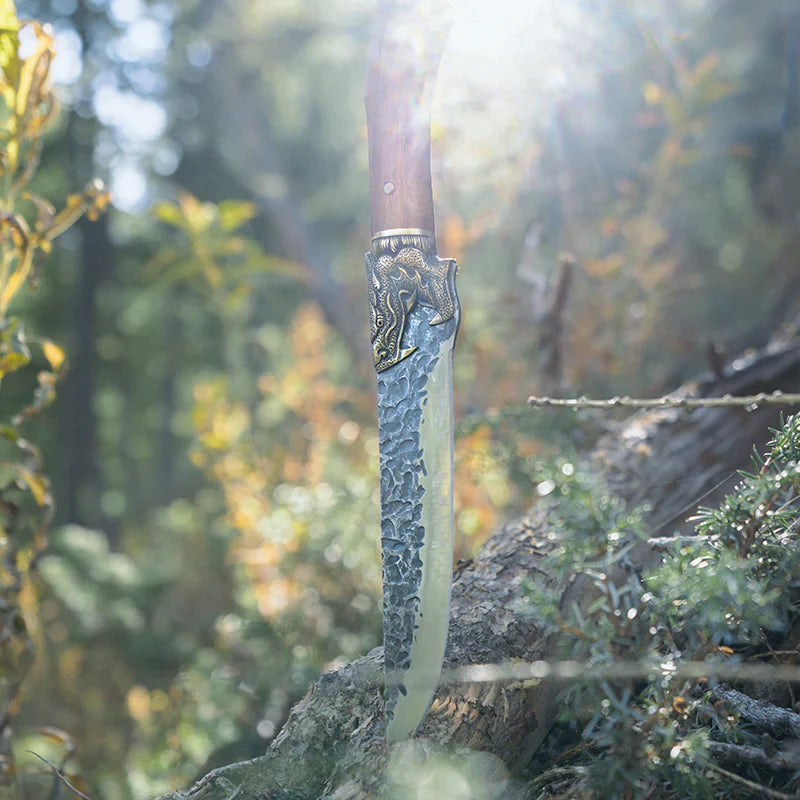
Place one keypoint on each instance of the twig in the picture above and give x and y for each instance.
(60, 774)
(756, 787)
(620, 670)
(557, 772)
(765, 716)
(750, 402)
(745, 753)
(665, 542)
(773, 653)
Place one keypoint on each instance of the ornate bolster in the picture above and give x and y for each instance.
(403, 270)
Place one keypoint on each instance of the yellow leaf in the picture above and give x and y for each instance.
(455, 236)
(9, 40)
(54, 354)
(9, 49)
(15, 282)
(8, 15)
(653, 93)
(234, 213)
(198, 216)
(603, 267)
(56, 735)
(92, 202)
(169, 213)
(11, 362)
(37, 484)
(35, 71)
(138, 702)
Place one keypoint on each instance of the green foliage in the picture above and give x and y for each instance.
(107, 604)
(208, 253)
(114, 654)
(717, 598)
(746, 563)
(244, 595)
(28, 224)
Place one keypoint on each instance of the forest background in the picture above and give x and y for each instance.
(213, 448)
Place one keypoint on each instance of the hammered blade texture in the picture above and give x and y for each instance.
(402, 394)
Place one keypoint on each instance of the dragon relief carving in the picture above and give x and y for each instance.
(401, 272)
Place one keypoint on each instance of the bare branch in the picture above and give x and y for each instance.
(765, 716)
(745, 753)
(531, 671)
(750, 402)
(59, 773)
(756, 787)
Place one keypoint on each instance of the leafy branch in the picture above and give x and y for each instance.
(28, 225)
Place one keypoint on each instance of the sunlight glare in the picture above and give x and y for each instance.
(508, 67)
(496, 46)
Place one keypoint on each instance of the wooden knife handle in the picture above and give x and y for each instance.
(404, 60)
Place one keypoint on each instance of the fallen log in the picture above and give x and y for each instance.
(670, 460)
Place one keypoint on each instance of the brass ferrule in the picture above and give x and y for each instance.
(392, 240)
(402, 232)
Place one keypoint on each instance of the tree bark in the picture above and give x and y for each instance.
(332, 746)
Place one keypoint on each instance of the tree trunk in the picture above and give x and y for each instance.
(332, 745)
(81, 484)
(81, 481)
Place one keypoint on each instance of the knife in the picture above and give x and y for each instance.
(414, 318)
